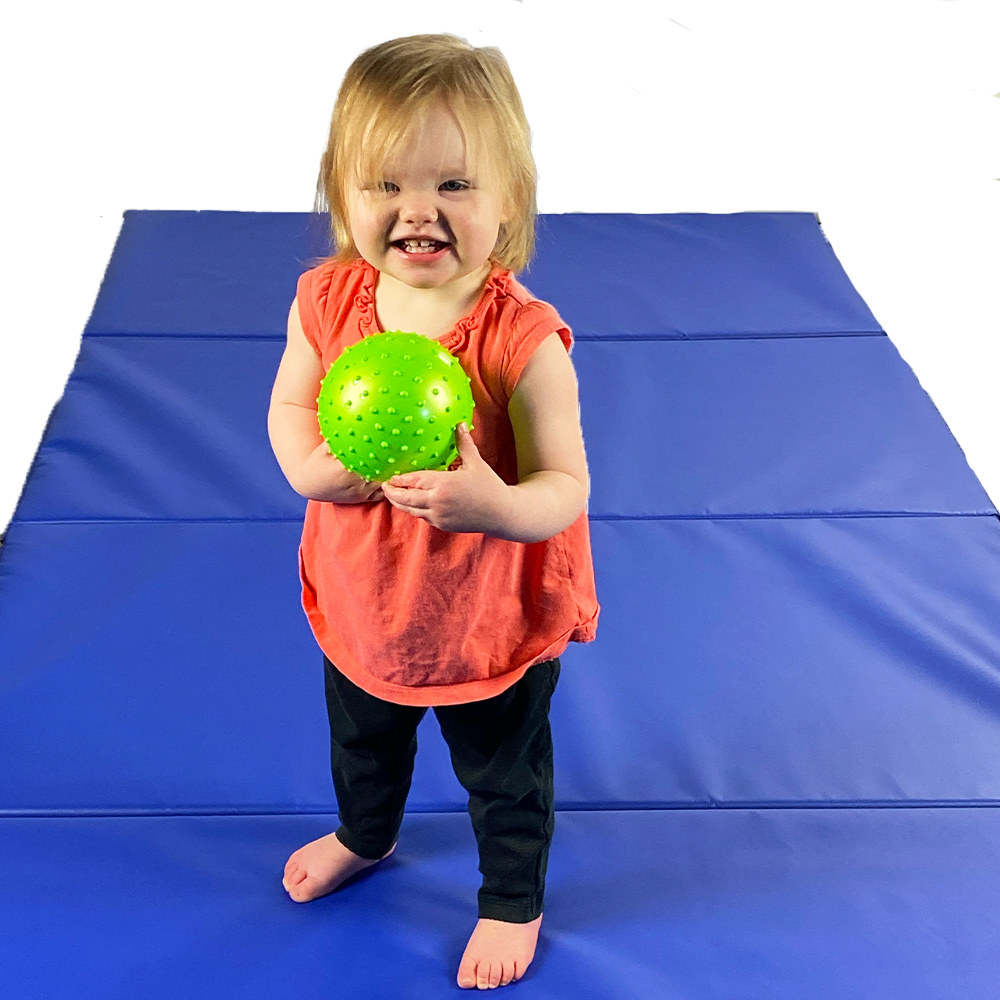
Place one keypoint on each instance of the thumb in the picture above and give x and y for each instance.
(463, 440)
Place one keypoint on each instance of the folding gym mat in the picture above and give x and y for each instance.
(776, 766)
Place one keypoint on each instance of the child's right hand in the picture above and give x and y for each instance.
(374, 492)
(325, 477)
(358, 489)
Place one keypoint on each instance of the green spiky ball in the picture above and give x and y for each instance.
(391, 403)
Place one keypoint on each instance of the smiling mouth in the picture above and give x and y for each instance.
(417, 247)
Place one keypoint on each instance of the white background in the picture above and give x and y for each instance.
(880, 115)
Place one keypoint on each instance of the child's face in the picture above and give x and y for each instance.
(427, 191)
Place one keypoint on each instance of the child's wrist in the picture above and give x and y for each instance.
(323, 476)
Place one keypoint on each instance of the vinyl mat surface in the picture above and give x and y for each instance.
(776, 767)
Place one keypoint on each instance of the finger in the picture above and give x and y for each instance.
(409, 507)
(403, 479)
(412, 494)
(416, 502)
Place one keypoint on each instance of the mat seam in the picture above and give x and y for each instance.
(591, 517)
(583, 337)
(461, 810)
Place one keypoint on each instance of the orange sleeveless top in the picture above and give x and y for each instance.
(408, 612)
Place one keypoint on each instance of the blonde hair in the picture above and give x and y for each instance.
(386, 89)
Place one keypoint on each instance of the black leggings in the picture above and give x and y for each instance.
(501, 750)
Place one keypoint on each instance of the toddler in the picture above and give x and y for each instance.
(452, 589)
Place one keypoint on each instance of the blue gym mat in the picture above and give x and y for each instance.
(776, 767)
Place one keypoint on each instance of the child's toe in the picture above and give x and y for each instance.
(483, 975)
(467, 973)
(298, 886)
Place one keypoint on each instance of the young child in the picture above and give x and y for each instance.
(452, 589)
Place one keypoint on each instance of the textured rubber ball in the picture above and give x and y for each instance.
(390, 404)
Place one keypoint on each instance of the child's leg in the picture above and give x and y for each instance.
(501, 750)
(372, 748)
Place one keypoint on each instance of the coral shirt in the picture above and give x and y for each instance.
(408, 612)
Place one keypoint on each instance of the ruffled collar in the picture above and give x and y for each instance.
(496, 286)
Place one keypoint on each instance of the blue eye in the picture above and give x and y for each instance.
(462, 185)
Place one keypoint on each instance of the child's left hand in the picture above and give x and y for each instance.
(470, 498)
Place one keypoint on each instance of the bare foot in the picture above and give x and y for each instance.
(319, 867)
(497, 953)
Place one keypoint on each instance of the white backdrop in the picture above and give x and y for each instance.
(881, 115)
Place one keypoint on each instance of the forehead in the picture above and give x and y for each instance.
(445, 137)
(435, 136)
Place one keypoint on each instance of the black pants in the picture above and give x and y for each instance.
(501, 749)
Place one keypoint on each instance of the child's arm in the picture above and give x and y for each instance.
(293, 427)
(553, 483)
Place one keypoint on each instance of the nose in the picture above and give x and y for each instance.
(418, 207)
